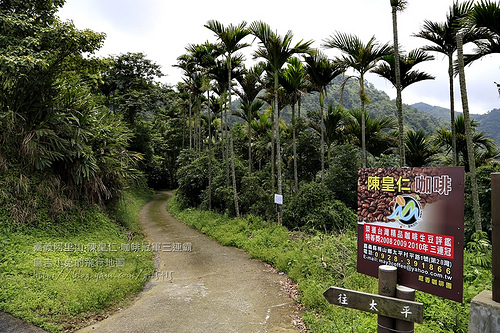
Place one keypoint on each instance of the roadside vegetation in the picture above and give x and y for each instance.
(316, 261)
(74, 266)
(83, 138)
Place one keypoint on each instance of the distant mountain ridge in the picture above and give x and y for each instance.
(419, 116)
(380, 105)
(489, 123)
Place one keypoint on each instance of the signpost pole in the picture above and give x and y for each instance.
(278, 200)
(408, 294)
(387, 280)
(495, 234)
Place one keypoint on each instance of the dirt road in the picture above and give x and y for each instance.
(202, 286)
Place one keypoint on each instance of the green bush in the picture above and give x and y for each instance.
(342, 176)
(314, 208)
(254, 199)
(193, 180)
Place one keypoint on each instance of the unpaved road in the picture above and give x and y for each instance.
(212, 288)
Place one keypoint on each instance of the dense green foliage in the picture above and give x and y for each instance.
(56, 273)
(313, 208)
(67, 170)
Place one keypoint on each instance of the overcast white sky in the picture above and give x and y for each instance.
(163, 28)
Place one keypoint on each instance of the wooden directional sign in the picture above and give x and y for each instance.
(377, 304)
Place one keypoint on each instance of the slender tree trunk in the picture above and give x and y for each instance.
(277, 126)
(249, 118)
(399, 100)
(190, 125)
(226, 146)
(198, 125)
(452, 111)
(363, 120)
(209, 153)
(468, 135)
(273, 155)
(294, 144)
(184, 125)
(233, 169)
(322, 144)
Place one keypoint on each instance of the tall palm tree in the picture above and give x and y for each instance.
(362, 58)
(485, 16)
(294, 83)
(220, 75)
(333, 127)
(320, 72)
(205, 55)
(230, 38)
(183, 96)
(443, 37)
(398, 5)
(251, 85)
(408, 75)
(186, 63)
(194, 82)
(276, 50)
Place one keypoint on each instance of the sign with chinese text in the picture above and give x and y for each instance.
(413, 218)
(377, 304)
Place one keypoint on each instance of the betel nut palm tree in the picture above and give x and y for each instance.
(320, 72)
(362, 58)
(251, 86)
(485, 16)
(398, 5)
(443, 37)
(230, 38)
(408, 76)
(276, 50)
(294, 83)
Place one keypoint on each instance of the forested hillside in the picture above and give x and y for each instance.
(488, 122)
(380, 105)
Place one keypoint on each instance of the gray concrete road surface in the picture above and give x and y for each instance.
(202, 286)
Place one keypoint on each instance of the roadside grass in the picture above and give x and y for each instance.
(316, 262)
(76, 266)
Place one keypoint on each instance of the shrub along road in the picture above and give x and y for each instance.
(201, 286)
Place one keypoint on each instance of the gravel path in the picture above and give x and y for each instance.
(202, 286)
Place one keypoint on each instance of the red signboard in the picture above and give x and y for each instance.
(413, 218)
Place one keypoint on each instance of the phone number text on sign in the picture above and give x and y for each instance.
(417, 241)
